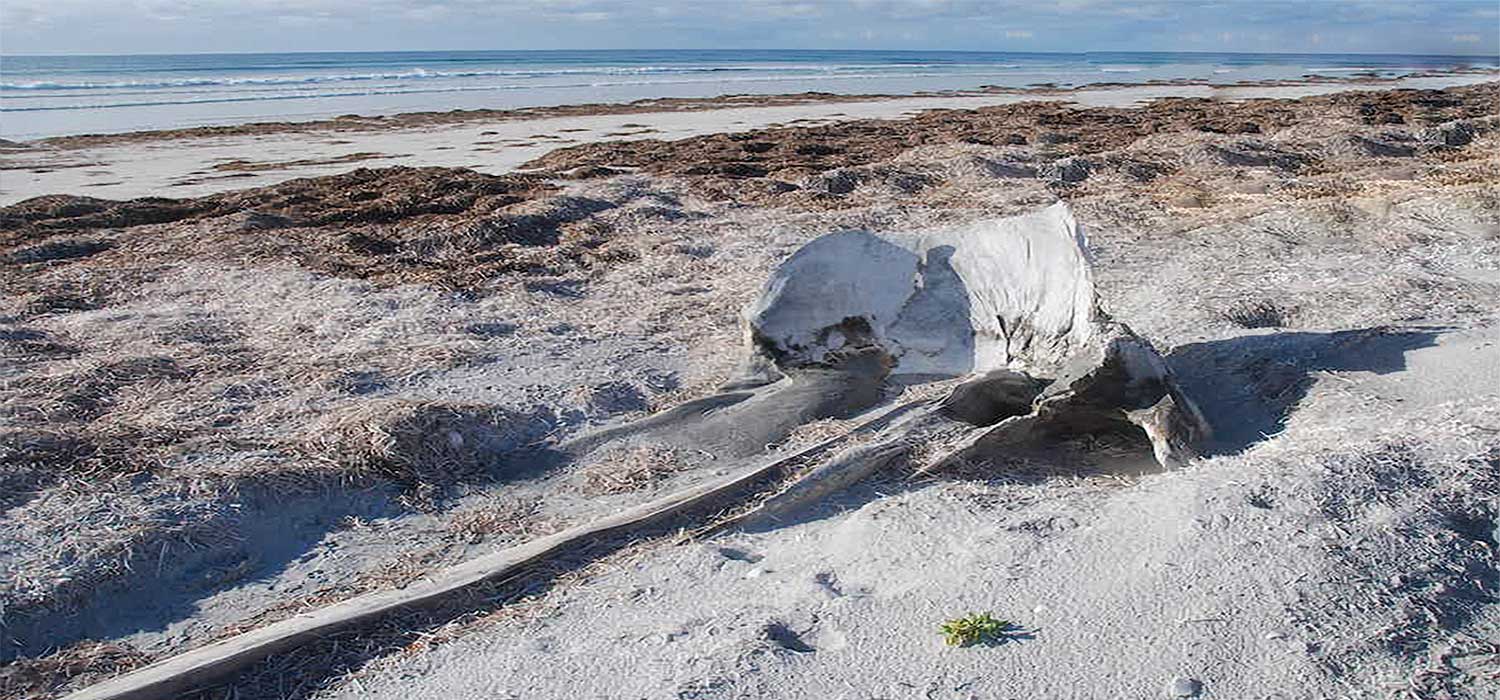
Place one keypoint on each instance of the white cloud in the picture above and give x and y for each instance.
(1466, 38)
(1018, 34)
(777, 8)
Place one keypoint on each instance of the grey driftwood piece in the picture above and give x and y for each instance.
(213, 662)
(1008, 303)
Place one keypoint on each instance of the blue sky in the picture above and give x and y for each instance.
(1470, 27)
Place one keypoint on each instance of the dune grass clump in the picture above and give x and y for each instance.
(974, 629)
(416, 442)
(65, 668)
(502, 518)
(629, 469)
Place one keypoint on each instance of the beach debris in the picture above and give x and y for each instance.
(1007, 307)
(1461, 132)
(251, 220)
(626, 468)
(1009, 303)
(414, 441)
(1258, 313)
(614, 398)
(1069, 170)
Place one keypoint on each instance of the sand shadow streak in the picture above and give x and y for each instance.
(1248, 386)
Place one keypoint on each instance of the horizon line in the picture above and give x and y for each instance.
(1495, 56)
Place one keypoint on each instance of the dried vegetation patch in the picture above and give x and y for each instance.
(506, 518)
(446, 227)
(630, 468)
(420, 441)
(831, 166)
(66, 668)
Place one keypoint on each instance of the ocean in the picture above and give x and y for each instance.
(58, 95)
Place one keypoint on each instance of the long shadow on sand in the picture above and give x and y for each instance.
(251, 540)
(1248, 386)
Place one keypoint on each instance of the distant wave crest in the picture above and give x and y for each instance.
(227, 97)
(423, 74)
(414, 74)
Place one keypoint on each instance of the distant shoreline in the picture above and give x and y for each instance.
(1289, 54)
(201, 161)
(357, 123)
(44, 97)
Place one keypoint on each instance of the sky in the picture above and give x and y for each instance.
(1463, 27)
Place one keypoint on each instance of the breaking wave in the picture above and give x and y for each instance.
(423, 74)
(211, 97)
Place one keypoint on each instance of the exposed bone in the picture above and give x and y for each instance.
(207, 664)
(1010, 300)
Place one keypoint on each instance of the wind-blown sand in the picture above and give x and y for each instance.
(221, 411)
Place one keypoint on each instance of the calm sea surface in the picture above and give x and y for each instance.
(54, 95)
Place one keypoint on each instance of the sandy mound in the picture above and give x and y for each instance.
(422, 442)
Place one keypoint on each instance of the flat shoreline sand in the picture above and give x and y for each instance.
(196, 162)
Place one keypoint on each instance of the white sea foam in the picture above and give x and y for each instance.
(71, 94)
(425, 74)
(413, 74)
(210, 97)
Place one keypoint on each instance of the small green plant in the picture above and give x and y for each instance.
(974, 628)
